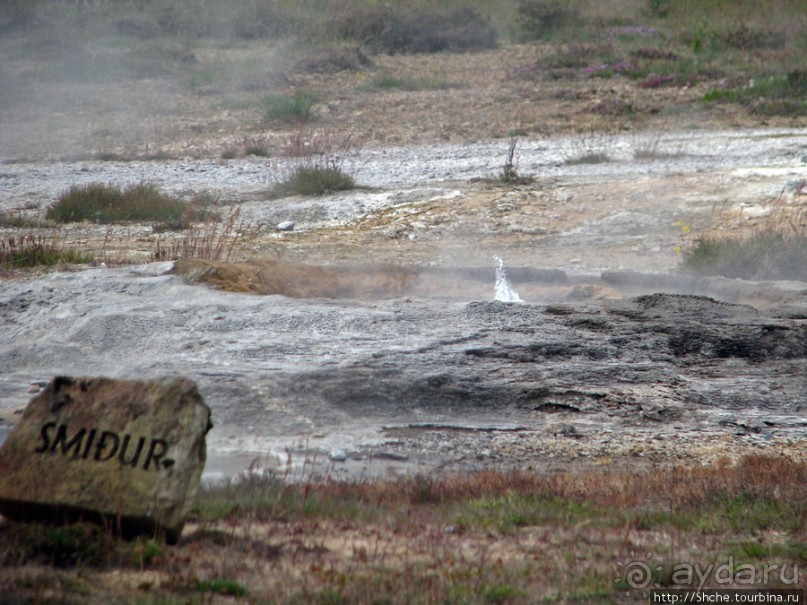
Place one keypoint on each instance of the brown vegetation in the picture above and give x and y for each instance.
(300, 280)
(487, 537)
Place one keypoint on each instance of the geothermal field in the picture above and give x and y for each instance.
(518, 266)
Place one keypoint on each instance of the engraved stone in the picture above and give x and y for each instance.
(128, 454)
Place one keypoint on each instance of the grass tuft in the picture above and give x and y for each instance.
(509, 174)
(768, 254)
(313, 181)
(79, 544)
(315, 161)
(102, 203)
(294, 109)
(386, 82)
(31, 250)
(228, 588)
(18, 220)
(396, 28)
(771, 95)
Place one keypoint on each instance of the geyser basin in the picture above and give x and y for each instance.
(350, 281)
(668, 376)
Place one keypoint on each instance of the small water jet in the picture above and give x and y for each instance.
(504, 291)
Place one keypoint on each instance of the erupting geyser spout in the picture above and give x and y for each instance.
(504, 291)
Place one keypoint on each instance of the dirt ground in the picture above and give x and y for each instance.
(467, 97)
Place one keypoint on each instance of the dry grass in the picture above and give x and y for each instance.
(313, 163)
(299, 280)
(486, 537)
(775, 249)
(211, 240)
(37, 250)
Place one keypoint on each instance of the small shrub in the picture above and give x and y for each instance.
(653, 54)
(579, 59)
(509, 173)
(313, 181)
(333, 59)
(235, 19)
(101, 203)
(257, 150)
(659, 8)
(768, 254)
(544, 19)
(580, 55)
(146, 551)
(612, 107)
(297, 108)
(394, 29)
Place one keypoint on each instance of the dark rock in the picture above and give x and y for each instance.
(128, 454)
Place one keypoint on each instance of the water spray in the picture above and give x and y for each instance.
(504, 291)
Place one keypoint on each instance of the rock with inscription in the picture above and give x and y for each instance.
(128, 454)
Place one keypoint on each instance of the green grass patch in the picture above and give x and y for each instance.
(31, 250)
(229, 588)
(739, 512)
(783, 95)
(500, 593)
(388, 82)
(146, 551)
(764, 255)
(509, 512)
(264, 498)
(313, 181)
(143, 202)
(292, 109)
(756, 550)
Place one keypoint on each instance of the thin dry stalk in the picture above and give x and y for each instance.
(210, 240)
(319, 147)
(510, 170)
